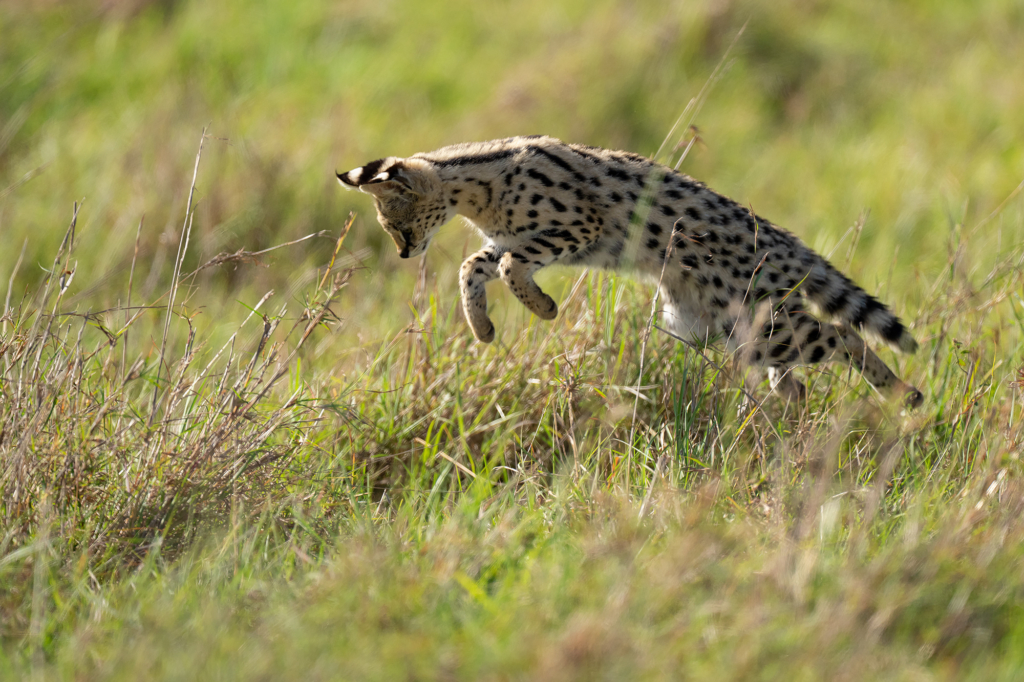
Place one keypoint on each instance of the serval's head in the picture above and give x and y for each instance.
(409, 198)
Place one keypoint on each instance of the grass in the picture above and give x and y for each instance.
(240, 439)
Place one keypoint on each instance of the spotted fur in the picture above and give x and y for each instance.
(723, 271)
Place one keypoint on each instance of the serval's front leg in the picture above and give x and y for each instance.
(517, 267)
(476, 272)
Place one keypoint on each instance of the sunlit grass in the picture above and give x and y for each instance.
(317, 473)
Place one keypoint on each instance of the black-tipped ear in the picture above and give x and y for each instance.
(386, 177)
(362, 175)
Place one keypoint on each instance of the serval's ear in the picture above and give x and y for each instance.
(362, 175)
(381, 178)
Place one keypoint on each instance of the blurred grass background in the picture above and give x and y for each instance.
(417, 505)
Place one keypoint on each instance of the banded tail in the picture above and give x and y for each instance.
(840, 298)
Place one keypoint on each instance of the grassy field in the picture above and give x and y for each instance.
(241, 439)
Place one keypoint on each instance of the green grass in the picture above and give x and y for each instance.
(308, 468)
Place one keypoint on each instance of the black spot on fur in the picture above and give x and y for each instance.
(869, 305)
(479, 158)
(540, 177)
(837, 303)
(893, 330)
(553, 158)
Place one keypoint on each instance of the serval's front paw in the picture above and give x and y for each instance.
(545, 308)
(484, 334)
(483, 328)
(912, 398)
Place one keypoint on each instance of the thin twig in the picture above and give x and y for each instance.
(701, 97)
(127, 318)
(186, 233)
(23, 179)
(337, 248)
(10, 284)
(55, 272)
(243, 256)
(650, 488)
